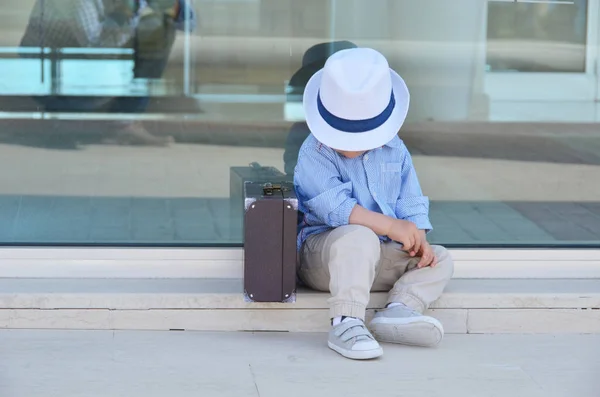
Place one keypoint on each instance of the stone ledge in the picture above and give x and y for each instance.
(455, 321)
(226, 294)
(482, 306)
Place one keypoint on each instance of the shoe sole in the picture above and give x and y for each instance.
(357, 354)
(427, 332)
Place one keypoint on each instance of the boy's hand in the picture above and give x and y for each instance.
(426, 253)
(407, 234)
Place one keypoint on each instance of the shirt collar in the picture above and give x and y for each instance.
(394, 143)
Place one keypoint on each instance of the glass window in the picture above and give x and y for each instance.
(546, 36)
(128, 122)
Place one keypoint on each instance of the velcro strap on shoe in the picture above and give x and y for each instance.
(356, 332)
(352, 329)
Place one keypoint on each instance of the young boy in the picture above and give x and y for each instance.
(365, 217)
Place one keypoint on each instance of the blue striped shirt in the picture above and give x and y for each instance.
(329, 185)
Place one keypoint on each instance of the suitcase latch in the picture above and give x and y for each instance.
(270, 188)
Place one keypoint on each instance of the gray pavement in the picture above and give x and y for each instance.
(131, 364)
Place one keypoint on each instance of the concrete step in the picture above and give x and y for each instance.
(162, 263)
(478, 306)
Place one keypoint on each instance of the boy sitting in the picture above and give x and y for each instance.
(365, 217)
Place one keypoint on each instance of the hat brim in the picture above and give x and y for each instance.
(368, 140)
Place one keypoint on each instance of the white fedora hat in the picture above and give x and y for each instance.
(356, 102)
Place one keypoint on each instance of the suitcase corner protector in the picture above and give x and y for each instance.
(248, 203)
(290, 298)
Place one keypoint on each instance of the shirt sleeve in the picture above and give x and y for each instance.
(320, 189)
(412, 205)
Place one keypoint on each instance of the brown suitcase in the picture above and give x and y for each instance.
(270, 226)
(238, 176)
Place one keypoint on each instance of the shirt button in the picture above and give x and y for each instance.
(366, 157)
(374, 195)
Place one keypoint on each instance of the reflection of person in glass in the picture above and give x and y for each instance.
(313, 60)
(147, 26)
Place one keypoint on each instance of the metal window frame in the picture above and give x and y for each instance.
(550, 86)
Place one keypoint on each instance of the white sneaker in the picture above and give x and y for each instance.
(400, 324)
(352, 339)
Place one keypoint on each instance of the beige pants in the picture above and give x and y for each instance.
(350, 261)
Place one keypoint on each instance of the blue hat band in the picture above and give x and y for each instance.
(356, 126)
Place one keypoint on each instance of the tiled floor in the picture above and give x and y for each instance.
(132, 364)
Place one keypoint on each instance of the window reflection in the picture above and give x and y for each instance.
(96, 55)
(537, 37)
(121, 124)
